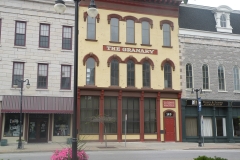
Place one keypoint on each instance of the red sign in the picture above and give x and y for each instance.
(168, 104)
(130, 49)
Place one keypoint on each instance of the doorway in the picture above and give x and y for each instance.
(38, 128)
(169, 126)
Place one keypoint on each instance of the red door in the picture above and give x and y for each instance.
(169, 124)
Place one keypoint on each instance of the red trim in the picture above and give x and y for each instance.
(50, 127)
(158, 116)
(1, 121)
(119, 117)
(180, 116)
(142, 116)
(78, 111)
(114, 57)
(37, 111)
(131, 18)
(114, 16)
(131, 58)
(167, 60)
(101, 113)
(85, 58)
(150, 21)
(148, 60)
(166, 22)
(85, 14)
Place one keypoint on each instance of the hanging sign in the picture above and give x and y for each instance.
(168, 104)
(130, 49)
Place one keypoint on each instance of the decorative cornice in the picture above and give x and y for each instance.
(85, 14)
(167, 60)
(114, 16)
(114, 57)
(166, 22)
(150, 21)
(149, 61)
(131, 58)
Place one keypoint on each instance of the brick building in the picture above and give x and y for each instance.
(209, 48)
(36, 44)
(129, 65)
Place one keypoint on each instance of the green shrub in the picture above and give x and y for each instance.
(209, 158)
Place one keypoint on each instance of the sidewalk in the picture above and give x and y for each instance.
(98, 146)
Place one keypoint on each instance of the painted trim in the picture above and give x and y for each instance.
(26, 121)
(1, 124)
(101, 113)
(119, 122)
(115, 56)
(85, 14)
(50, 127)
(180, 116)
(167, 60)
(166, 22)
(135, 61)
(114, 16)
(90, 55)
(131, 18)
(158, 110)
(78, 111)
(150, 21)
(174, 117)
(148, 60)
(141, 116)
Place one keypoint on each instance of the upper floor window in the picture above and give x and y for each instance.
(20, 33)
(130, 73)
(145, 32)
(130, 31)
(205, 77)
(18, 72)
(44, 35)
(66, 77)
(91, 28)
(223, 20)
(189, 78)
(146, 74)
(67, 38)
(167, 76)
(90, 72)
(114, 29)
(114, 72)
(166, 35)
(42, 79)
(236, 78)
(221, 78)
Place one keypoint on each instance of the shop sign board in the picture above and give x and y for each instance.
(208, 103)
(130, 50)
(168, 104)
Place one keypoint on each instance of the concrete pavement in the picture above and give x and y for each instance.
(97, 146)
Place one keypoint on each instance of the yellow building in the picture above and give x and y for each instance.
(129, 69)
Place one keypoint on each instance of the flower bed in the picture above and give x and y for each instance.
(66, 154)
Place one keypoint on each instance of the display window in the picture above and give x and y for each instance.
(12, 125)
(62, 125)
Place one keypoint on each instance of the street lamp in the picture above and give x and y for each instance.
(92, 12)
(21, 91)
(199, 115)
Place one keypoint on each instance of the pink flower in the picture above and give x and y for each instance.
(66, 154)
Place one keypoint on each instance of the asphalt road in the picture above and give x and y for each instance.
(133, 155)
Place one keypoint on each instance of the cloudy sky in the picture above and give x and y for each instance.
(234, 4)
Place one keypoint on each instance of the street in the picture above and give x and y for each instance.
(133, 155)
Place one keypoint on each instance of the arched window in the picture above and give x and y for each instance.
(114, 72)
(130, 31)
(145, 32)
(90, 72)
(146, 74)
(114, 30)
(166, 35)
(205, 77)
(91, 28)
(223, 21)
(130, 73)
(189, 78)
(236, 78)
(167, 76)
(221, 84)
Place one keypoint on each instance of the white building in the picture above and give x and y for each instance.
(36, 44)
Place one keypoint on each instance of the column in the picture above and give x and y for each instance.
(119, 119)
(180, 117)
(142, 117)
(229, 124)
(78, 113)
(158, 116)
(214, 124)
(183, 120)
(1, 126)
(101, 114)
(51, 127)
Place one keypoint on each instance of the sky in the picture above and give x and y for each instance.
(234, 4)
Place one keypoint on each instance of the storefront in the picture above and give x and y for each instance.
(45, 119)
(151, 115)
(220, 121)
